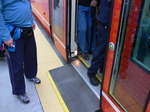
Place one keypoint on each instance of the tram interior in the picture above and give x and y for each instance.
(80, 64)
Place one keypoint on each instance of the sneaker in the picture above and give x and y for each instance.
(85, 56)
(23, 98)
(35, 80)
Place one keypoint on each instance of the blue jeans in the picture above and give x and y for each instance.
(84, 28)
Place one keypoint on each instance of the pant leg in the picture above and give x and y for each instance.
(82, 29)
(15, 63)
(99, 54)
(93, 37)
(30, 60)
(89, 27)
(92, 42)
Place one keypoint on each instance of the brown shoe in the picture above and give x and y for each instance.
(85, 56)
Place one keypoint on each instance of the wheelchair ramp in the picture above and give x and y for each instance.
(77, 96)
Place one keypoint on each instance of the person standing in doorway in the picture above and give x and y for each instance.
(103, 33)
(85, 26)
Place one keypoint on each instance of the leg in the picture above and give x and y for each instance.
(89, 28)
(15, 64)
(82, 29)
(94, 37)
(30, 62)
(99, 54)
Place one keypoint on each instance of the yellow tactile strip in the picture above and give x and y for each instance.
(47, 60)
(57, 92)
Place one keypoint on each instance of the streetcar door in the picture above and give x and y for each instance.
(63, 27)
(126, 83)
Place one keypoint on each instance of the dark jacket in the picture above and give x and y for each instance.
(105, 11)
(84, 2)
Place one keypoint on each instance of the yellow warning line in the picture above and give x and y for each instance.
(87, 65)
(100, 79)
(57, 92)
(83, 61)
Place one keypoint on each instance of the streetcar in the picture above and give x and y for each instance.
(125, 83)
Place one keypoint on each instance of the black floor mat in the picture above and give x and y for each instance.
(74, 91)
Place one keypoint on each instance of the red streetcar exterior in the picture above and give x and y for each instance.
(126, 80)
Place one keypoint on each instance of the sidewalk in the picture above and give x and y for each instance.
(8, 101)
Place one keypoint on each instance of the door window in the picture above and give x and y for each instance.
(59, 17)
(130, 80)
(141, 50)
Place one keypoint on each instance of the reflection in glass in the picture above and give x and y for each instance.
(142, 44)
(59, 18)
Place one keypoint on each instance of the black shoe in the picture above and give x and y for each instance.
(93, 81)
(35, 80)
(24, 98)
(101, 71)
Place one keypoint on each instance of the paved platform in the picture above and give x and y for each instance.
(9, 102)
(43, 97)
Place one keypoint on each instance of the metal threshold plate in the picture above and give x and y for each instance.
(76, 94)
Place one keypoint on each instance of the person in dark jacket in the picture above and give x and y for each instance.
(85, 27)
(103, 33)
(22, 61)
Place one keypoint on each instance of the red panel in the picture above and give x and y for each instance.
(106, 107)
(148, 108)
(40, 10)
(113, 36)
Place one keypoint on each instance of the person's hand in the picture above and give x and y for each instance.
(94, 3)
(9, 42)
(33, 25)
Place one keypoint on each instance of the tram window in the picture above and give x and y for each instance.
(59, 18)
(130, 78)
(141, 48)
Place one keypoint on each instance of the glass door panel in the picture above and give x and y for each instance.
(130, 80)
(59, 24)
(59, 18)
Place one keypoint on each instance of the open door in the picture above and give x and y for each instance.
(63, 26)
(126, 83)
